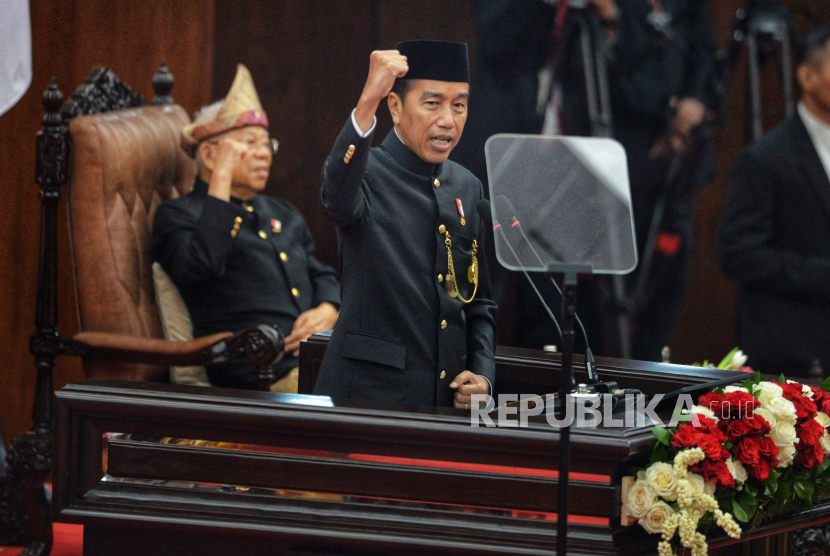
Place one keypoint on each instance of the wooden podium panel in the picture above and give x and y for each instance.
(171, 469)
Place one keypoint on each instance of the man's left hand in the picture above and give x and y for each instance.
(319, 319)
(467, 384)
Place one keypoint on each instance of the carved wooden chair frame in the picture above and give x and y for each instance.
(24, 507)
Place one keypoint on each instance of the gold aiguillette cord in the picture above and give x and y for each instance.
(452, 281)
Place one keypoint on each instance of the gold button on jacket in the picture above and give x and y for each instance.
(284, 257)
(442, 229)
(295, 292)
(436, 183)
(443, 375)
(263, 235)
(443, 324)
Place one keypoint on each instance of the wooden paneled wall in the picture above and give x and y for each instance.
(68, 38)
(309, 62)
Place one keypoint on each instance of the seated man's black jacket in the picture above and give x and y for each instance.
(229, 282)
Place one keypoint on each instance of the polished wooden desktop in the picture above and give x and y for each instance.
(166, 469)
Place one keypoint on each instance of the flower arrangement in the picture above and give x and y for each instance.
(744, 454)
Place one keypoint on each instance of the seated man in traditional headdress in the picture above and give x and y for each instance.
(240, 258)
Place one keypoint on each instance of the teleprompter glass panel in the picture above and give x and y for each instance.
(560, 200)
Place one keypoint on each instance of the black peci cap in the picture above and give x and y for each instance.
(436, 60)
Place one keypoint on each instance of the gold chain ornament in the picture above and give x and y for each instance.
(472, 272)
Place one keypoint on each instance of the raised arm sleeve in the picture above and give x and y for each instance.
(194, 247)
(341, 195)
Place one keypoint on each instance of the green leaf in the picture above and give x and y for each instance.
(826, 385)
(752, 488)
(804, 489)
(784, 492)
(739, 512)
(726, 362)
(782, 379)
(757, 378)
(727, 446)
(747, 500)
(719, 391)
(663, 435)
(774, 475)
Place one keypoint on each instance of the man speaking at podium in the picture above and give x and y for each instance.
(416, 323)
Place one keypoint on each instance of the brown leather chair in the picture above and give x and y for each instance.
(124, 160)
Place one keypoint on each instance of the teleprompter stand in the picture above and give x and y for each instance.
(570, 282)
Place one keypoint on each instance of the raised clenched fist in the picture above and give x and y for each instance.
(384, 67)
(228, 154)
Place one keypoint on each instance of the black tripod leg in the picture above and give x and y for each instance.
(754, 86)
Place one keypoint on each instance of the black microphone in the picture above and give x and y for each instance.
(505, 208)
(483, 208)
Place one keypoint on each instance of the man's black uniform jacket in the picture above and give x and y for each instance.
(400, 337)
(230, 282)
(775, 241)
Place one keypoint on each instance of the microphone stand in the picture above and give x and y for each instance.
(571, 273)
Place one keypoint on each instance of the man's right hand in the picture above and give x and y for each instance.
(229, 152)
(385, 66)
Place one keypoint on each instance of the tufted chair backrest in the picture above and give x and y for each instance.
(123, 165)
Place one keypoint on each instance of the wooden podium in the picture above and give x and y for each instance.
(164, 469)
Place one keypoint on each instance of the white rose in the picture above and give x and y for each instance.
(656, 517)
(785, 456)
(740, 473)
(697, 484)
(730, 465)
(767, 391)
(738, 360)
(807, 391)
(640, 499)
(825, 443)
(767, 415)
(822, 419)
(704, 411)
(782, 409)
(662, 480)
(735, 389)
(783, 434)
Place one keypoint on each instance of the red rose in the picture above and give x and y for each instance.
(737, 429)
(806, 458)
(717, 472)
(747, 451)
(713, 401)
(757, 425)
(710, 427)
(759, 471)
(809, 431)
(685, 437)
(768, 451)
(791, 390)
(711, 447)
(741, 403)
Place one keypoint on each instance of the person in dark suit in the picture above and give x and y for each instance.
(775, 229)
(237, 257)
(417, 325)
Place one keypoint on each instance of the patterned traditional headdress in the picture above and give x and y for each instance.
(240, 109)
